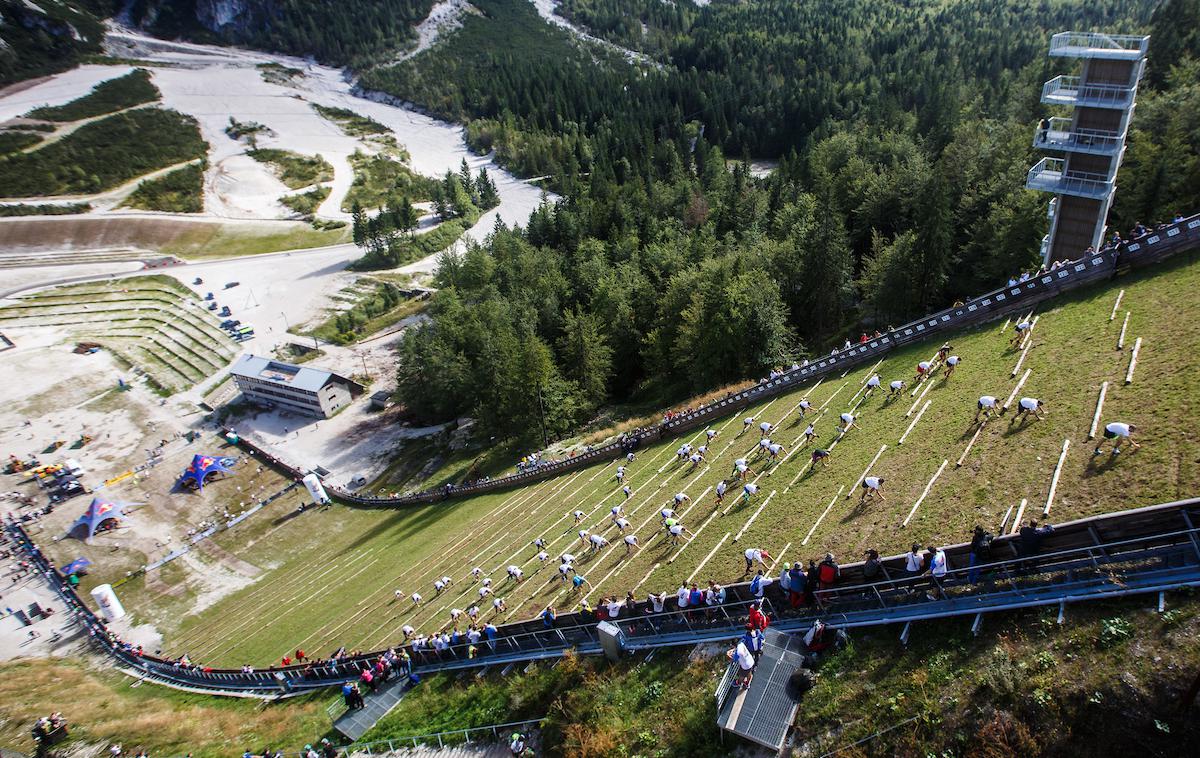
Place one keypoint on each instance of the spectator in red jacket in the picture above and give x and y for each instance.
(758, 619)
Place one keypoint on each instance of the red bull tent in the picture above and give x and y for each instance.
(99, 516)
(202, 467)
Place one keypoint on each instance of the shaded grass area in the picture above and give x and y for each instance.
(661, 708)
(381, 180)
(339, 590)
(181, 191)
(1110, 680)
(211, 241)
(105, 707)
(293, 169)
(103, 154)
(108, 96)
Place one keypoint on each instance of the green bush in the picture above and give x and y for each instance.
(306, 203)
(293, 169)
(1114, 630)
(181, 191)
(11, 142)
(352, 123)
(110, 96)
(103, 154)
(44, 210)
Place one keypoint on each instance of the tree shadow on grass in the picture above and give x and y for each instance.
(407, 522)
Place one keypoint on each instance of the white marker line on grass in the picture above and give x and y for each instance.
(1099, 410)
(1013, 395)
(750, 521)
(1124, 326)
(1116, 305)
(1062, 457)
(821, 518)
(1020, 360)
(925, 493)
(647, 576)
(928, 386)
(1133, 359)
(970, 444)
(914, 422)
(1016, 524)
(779, 557)
(707, 558)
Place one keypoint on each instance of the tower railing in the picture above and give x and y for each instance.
(1051, 175)
(1070, 90)
(1099, 45)
(1063, 135)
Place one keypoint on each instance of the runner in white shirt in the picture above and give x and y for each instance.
(805, 407)
(702, 450)
(872, 384)
(666, 513)
(447, 581)
(739, 466)
(622, 524)
(774, 449)
(628, 492)
(416, 598)
(539, 543)
(682, 452)
(454, 614)
(696, 459)
(922, 370)
(810, 433)
(749, 490)
(756, 555)
(871, 488)
(583, 536)
(498, 605)
(438, 586)
(897, 388)
(747, 423)
(763, 444)
(847, 423)
(631, 543)
(408, 631)
(764, 428)
(543, 556)
(579, 516)
(399, 594)
(564, 569)
(473, 611)
(476, 572)
(629, 457)
(484, 592)
(620, 474)
(721, 487)
(566, 558)
(1119, 433)
(1030, 406)
(516, 573)
(681, 498)
(710, 434)
(951, 363)
(1019, 331)
(677, 530)
(597, 542)
(986, 406)
(615, 511)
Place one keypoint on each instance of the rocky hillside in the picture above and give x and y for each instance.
(42, 37)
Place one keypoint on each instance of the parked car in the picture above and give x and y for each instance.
(231, 285)
(225, 311)
(208, 296)
(197, 280)
(212, 306)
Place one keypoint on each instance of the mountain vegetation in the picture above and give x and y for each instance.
(48, 36)
(905, 132)
(103, 154)
(180, 191)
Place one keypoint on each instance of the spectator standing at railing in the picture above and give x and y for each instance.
(981, 552)
(872, 567)
(914, 562)
(797, 585)
(1043, 130)
(753, 640)
(1030, 541)
(938, 566)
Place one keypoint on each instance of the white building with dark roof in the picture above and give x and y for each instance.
(301, 389)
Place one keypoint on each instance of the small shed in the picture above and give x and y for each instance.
(381, 400)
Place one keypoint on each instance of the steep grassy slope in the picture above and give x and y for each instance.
(336, 578)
